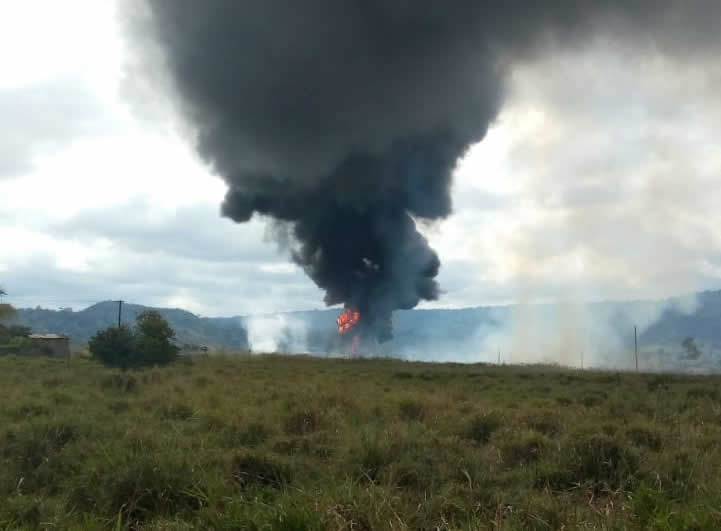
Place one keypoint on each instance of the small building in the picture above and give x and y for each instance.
(52, 345)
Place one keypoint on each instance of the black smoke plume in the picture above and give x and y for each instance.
(343, 119)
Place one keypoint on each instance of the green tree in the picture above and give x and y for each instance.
(150, 343)
(154, 339)
(115, 347)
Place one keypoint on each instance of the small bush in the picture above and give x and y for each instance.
(20, 512)
(52, 382)
(254, 471)
(546, 423)
(411, 410)
(120, 406)
(592, 400)
(403, 375)
(370, 459)
(254, 434)
(564, 400)
(34, 454)
(201, 381)
(139, 489)
(699, 393)
(61, 399)
(481, 427)
(123, 383)
(29, 411)
(609, 429)
(302, 422)
(526, 450)
(644, 437)
(176, 412)
(658, 382)
(598, 462)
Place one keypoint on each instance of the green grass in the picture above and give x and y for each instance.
(296, 443)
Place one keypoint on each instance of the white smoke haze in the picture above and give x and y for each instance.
(591, 191)
(568, 333)
(276, 333)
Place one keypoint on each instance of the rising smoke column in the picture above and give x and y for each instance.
(342, 120)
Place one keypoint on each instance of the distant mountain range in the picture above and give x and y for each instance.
(599, 334)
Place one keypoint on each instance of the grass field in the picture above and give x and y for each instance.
(294, 443)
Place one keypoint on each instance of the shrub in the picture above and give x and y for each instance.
(526, 449)
(114, 347)
(302, 422)
(28, 411)
(481, 427)
(137, 489)
(546, 423)
(175, 412)
(118, 407)
(370, 459)
(592, 400)
(254, 471)
(403, 375)
(598, 462)
(699, 393)
(123, 383)
(564, 401)
(641, 436)
(150, 344)
(411, 410)
(20, 512)
(254, 434)
(34, 453)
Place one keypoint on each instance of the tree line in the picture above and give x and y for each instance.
(149, 342)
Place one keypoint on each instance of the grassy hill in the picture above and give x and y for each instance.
(295, 443)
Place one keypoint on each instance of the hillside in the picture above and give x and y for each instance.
(600, 332)
(189, 328)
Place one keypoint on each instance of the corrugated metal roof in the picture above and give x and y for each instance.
(47, 336)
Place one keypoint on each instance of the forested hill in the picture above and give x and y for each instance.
(189, 328)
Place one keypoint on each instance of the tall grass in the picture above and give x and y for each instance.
(297, 443)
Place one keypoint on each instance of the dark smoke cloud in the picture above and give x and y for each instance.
(343, 119)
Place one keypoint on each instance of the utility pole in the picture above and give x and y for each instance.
(499, 357)
(635, 346)
(120, 311)
(581, 359)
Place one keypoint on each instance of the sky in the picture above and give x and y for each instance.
(598, 180)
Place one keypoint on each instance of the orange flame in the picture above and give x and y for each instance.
(347, 320)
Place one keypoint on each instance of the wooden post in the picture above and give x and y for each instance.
(635, 346)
